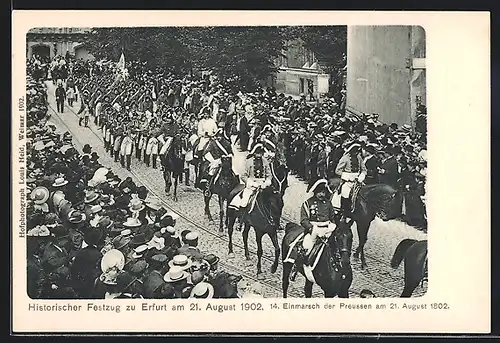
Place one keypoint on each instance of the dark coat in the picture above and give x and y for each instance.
(36, 277)
(391, 175)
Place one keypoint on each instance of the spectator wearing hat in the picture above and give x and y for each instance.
(60, 98)
(55, 254)
(35, 272)
(177, 277)
(126, 287)
(84, 269)
(190, 246)
(372, 164)
(389, 169)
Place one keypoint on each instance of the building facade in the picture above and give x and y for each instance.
(386, 71)
(50, 42)
(300, 73)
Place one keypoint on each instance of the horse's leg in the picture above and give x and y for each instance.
(274, 239)
(246, 230)
(230, 217)
(308, 288)
(412, 278)
(207, 207)
(362, 228)
(287, 268)
(221, 214)
(176, 179)
(168, 181)
(258, 237)
(345, 285)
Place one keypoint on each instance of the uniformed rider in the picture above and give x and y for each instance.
(257, 175)
(207, 128)
(217, 148)
(317, 217)
(351, 170)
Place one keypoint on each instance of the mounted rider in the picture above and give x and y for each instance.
(169, 130)
(269, 142)
(217, 148)
(317, 217)
(257, 176)
(207, 128)
(352, 171)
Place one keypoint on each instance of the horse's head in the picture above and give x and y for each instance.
(279, 180)
(274, 202)
(226, 285)
(382, 199)
(341, 241)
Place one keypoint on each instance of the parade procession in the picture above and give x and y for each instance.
(148, 180)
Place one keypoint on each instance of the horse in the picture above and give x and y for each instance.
(224, 182)
(225, 285)
(264, 217)
(333, 272)
(414, 254)
(172, 162)
(372, 200)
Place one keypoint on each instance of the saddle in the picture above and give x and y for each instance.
(313, 256)
(353, 195)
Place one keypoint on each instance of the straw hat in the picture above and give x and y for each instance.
(136, 205)
(181, 261)
(132, 222)
(112, 259)
(202, 290)
(40, 195)
(175, 274)
(59, 182)
(139, 251)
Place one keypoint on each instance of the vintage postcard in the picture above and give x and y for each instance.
(226, 171)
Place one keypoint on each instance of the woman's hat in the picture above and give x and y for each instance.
(181, 261)
(90, 196)
(318, 186)
(175, 274)
(40, 195)
(132, 222)
(139, 251)
(202, 290)
(112, 259)
(59, 182)
(76, 217)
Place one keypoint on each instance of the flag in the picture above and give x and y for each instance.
(121, 62)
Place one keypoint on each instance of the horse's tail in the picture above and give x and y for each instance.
(400, 251)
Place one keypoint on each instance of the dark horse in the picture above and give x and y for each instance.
(224, 182)
(172, 165)
(333, 272)
(414, 254)
(264, 217)
(372, 200)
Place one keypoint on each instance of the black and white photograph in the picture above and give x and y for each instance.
(226, 162)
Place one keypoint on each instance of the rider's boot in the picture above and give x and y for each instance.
(186, 176)
(299, 261)
(208, 185)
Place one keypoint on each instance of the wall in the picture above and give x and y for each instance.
(288, 81)
(378, 77)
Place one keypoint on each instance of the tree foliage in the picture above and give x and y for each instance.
(246, 52)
